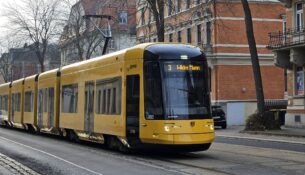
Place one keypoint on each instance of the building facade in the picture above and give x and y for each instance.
(217, 26)
(288, 46)
(23, 62)
(82, 37)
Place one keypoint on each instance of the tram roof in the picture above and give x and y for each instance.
(17, 82)
(5, 85)
(48, 74)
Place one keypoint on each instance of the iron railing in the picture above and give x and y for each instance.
(288, 38)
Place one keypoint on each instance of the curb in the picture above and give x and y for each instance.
(271, 134)
(261, 139)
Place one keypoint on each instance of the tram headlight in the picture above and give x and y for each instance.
(211, 127)
(166, 128)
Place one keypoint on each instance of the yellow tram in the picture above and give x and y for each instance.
(153, 94)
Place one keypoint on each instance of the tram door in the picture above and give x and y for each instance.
(89, 118)
(132, 107)
(51, 107)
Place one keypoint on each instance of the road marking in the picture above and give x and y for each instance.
(262, 139)
(49, 154)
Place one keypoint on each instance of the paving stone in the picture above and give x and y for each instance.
(9, 166)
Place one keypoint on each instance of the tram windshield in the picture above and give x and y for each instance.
(176, 90)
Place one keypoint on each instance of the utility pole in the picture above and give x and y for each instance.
(108, 34)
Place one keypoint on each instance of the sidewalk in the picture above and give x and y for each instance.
(292, 135)
(9, 166)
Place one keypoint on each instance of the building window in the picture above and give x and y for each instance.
(299, 81)
(187, 4)
(170, 7)
(179, 39)
(178, 6)
(111, 44)
(208, 33)
(69, 98)
(189, 35)
(170, 37)
(199, 34)
(299, 16)
(123, 17)
(142, 16)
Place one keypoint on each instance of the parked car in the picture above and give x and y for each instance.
(219, 117)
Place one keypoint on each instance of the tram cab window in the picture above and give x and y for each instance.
(69, 98)
(28, 101)
(108, 96)
(153, 91)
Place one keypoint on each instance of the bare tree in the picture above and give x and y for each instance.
(38, 21)
(5, 67)
(157, 9)
(82, 33)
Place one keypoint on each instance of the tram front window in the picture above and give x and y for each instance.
(183, 91)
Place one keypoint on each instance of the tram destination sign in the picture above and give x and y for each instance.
(183, 67)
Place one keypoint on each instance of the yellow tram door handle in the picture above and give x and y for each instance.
(144, 125)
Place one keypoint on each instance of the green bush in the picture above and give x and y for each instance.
(254, 122)
(267, 121)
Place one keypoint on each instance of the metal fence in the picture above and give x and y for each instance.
(288, 38)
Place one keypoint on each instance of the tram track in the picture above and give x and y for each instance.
(221, 159)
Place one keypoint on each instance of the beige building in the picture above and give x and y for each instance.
(288, 45)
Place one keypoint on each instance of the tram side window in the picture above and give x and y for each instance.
(45, 100)
(40, 101)
(6, 102)
(16, 101)
(69, 98)
(108, 96)
(28, 101)
(51, 99)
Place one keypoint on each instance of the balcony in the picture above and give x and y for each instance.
(287, 39)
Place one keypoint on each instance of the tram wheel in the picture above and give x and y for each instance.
(71, 135)
(114, 143)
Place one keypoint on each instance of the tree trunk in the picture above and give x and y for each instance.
(157, 7)
(160, 26)
(254, 58)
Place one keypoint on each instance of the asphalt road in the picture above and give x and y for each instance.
(51, 155)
